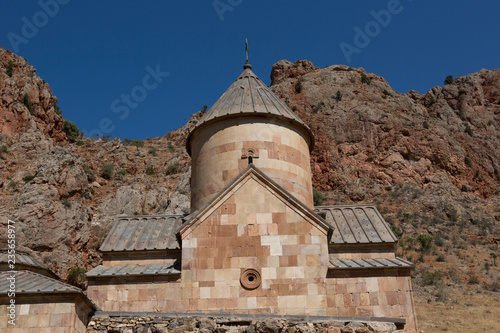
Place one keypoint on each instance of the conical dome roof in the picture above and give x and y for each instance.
(248, 96)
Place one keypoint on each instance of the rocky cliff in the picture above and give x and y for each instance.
(64, 195)
(437, 153)
(430, 162)
(26, 100)
(367, 130)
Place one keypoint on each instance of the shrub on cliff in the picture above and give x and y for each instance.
(76, 277)
(107, 171)
(338, 96)
(27, 103)
(365, 78)
(172, 168)
(298, 86)
(8, 70)
(28, 178)
(425, 240)
(318, 198)
(137, 143)
(71, 130)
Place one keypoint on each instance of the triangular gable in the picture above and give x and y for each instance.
(251, 172)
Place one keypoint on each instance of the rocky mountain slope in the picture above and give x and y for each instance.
(430, 162)
(26, 100)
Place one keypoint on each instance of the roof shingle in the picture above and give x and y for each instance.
(248, 96)
(31, 282)
(143, 233)
(357, 224)
(370, 263)
(24, 261)
(21, 258)
(134, 270)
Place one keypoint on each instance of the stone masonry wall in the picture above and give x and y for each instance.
(368, 296)
(137, 294)
(283, 155)
(290, 253)
(156, 323)
(45, 317)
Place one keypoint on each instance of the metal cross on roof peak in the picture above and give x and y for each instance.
(247, 64)
(246, 47)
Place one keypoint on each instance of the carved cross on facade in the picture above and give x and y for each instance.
(250, 154)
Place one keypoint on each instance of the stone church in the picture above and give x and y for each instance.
(253, 243)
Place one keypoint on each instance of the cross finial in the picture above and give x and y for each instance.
(246, 47)
(247, 64)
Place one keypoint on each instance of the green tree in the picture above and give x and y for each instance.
(29, 178)
(425, 240)
(430, 278)
(27, 103)
(318, 198)
(467, 160)
(172, 168)
(107, 171)
(448, 80)
(468, 130)
(76, 277)
(137, 144)
(431, 101)
(365, 79)
(71, 130)
(9, 70)
(298, 86)
(338, 96)
(153, 151)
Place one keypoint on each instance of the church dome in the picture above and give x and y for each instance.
(249, 124)
(249, 96)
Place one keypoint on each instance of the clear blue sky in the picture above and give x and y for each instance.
(92, 53)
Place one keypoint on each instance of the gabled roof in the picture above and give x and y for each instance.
(141, 233)
(33, 283)
(357, 224)
(252, 172)
(134, 270)
(24, 261)
(248, 96)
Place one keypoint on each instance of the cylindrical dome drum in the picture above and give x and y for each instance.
(221, 151)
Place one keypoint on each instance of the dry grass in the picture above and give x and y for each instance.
(462, 313)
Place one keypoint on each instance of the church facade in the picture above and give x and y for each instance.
(254, 243)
